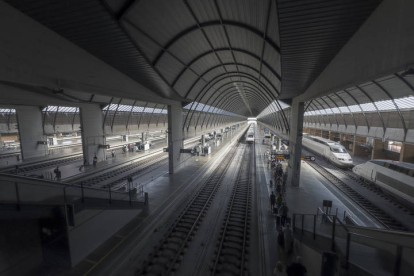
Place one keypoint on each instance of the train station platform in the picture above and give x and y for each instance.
(165, 193)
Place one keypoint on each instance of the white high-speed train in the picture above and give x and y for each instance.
(393, 176)
(333, 151)
(250, 134)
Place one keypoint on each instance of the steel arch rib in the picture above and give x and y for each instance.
(325, 112)
(248, 77)
(336, 118)
(396, 106)
(373, 103)
(223, 50)
(352, 114)
(342, 115)
(227, 64)
(245, 83)
(213, 103)
(198, 100)
(228, 93)
(210, 24)
(363, 112)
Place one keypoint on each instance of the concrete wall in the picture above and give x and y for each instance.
(92, 132)
(20, 247)
(34, 55)
(31, 131)
(382, 46)
(97, 226)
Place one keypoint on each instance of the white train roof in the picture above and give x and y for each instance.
(321, 139)
(406, 165)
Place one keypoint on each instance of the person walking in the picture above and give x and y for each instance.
(272, 201)
(58, 173)
(95, 160)
(297, 268)
(130, 182)
(283, 211)
(288, 237)
(113, 153)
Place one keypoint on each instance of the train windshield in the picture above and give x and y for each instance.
(338, 149)
(250, 136)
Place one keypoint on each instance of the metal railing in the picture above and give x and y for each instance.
(20, 190)
(376, 251)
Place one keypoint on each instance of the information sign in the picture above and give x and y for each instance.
(308, 158)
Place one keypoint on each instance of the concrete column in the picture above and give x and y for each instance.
(278, 143)
(356, 149)
(377, 149)
(203, 140)
(295, 142)
(92, 132)
(407, 153)
(175, 136)
(29, 120)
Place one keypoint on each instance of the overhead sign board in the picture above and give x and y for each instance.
(281, 156)
(308, 158)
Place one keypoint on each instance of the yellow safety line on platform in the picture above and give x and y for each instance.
(133, 230)
(89, 261)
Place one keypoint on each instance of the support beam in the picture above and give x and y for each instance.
(29, 121)
(381, 46)
(175, 137)
(92, 132)
(295, 142)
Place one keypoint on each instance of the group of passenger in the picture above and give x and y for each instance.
(285, 233)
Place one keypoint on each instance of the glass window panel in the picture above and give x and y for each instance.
(368, 107)
(344, 109)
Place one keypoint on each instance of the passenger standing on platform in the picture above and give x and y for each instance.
(279, 200)
(130, 182)
(272, 201)
(129, 147)
(280, 239)
(297, 268)
(85, 162)
(285, 176)
(16, 170)
(288, 236)
(283, 211)
(278, 188)
(95, 160)
(58, 173)
(279, 271)
(113, 153)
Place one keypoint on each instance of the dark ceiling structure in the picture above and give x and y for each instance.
(236, 55)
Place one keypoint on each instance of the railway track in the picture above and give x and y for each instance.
(167, 255)
(60, 161)
(376, 212)
(231, 254)
(158, 158)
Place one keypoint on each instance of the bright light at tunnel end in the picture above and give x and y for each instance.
(252, 119)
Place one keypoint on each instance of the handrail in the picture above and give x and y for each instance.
(372, 238)
(28, 181)
(378, 243)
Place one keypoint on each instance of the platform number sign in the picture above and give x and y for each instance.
(308, 158)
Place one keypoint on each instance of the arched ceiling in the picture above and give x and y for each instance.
(223, 53)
